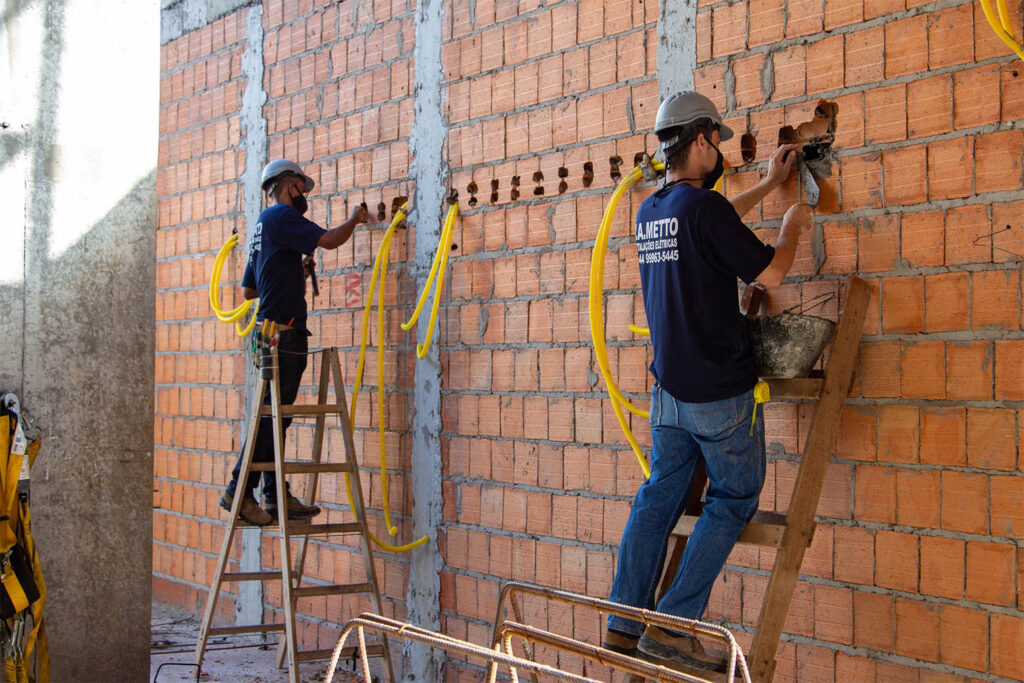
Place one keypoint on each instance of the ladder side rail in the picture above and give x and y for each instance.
(819, 446)
(236, 506)
(311, 483)
(357, 497)
(282, 520)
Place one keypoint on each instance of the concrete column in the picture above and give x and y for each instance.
(430, 172)
(677, 46)
(249, 604)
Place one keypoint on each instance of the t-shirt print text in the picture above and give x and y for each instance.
(257, 240)
(656, 241)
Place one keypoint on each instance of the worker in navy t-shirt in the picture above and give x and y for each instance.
(276, 273)
(692, 246)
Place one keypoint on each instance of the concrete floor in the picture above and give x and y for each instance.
(173, 640)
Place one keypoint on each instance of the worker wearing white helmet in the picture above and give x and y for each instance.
(692, 246)
(275, 273)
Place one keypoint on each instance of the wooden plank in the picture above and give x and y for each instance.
(302, 410)
(303, 467)
(372, 650)
(251, 576)
(796, 388)
(312, 529)
(765, 529)
(818, 447)
(251, 628)
(333, 589)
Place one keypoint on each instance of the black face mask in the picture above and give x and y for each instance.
(299, 203)
(711, 178)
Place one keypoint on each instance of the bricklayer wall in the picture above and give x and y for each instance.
(916, 567)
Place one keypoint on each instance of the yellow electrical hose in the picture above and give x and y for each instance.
(440, 261)
(238, 312)
(597, 314)
(1003, 27)
(378, 277)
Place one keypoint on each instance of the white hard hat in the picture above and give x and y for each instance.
(686, 107)
(278, 167)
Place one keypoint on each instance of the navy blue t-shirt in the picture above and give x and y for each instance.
(692, 246)
(280, 240)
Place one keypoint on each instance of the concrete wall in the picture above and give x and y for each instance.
(915, 568)
(77, 153)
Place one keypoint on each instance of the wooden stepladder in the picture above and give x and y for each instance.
(291, 577)
(791, 534)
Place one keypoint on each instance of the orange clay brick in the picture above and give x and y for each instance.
(944, 436)
(1006, 642)
(874, 621)
(947, 302)
(972, 101)
(969, 371)
(991, 569)
(923, 370)
(964, 502)
(917, 629)
(946, 162)
(903, 305)
(994, 297)
(990, 438)
(998, 161)
(903, 40)
(942, 567)
(885, 117)
(874, 498)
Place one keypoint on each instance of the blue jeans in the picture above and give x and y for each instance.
(682, 433)
(291, 360)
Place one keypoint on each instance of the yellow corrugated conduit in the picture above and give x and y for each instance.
(236, 314)
(378, 278)
(597, 314)
(596, 302)
(437, 270)
(1002, 25)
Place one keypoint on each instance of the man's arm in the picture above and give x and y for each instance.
(796, 220)
(249, 293)
(779, 167)
(334, 238)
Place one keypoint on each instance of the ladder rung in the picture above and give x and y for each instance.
(373, 650)
(311, 529)
(799, 387)
(302, 467)
(300, 410)
(252, 628)
(251, 576)
(765, 529)
(334, 589)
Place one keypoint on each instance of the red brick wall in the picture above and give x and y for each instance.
(915, 567)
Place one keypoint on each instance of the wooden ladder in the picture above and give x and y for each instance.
(291, 581)
(791, 534)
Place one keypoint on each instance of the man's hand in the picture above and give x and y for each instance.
(796, 221)
(797, 217)
(360, 214)
(781, 163)
(309, 265)
(332, 239)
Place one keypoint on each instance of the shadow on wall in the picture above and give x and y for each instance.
(78, 348)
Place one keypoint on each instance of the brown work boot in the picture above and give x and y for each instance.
(678, 650)
(617, 641)
(250, 512)
(296, 509)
